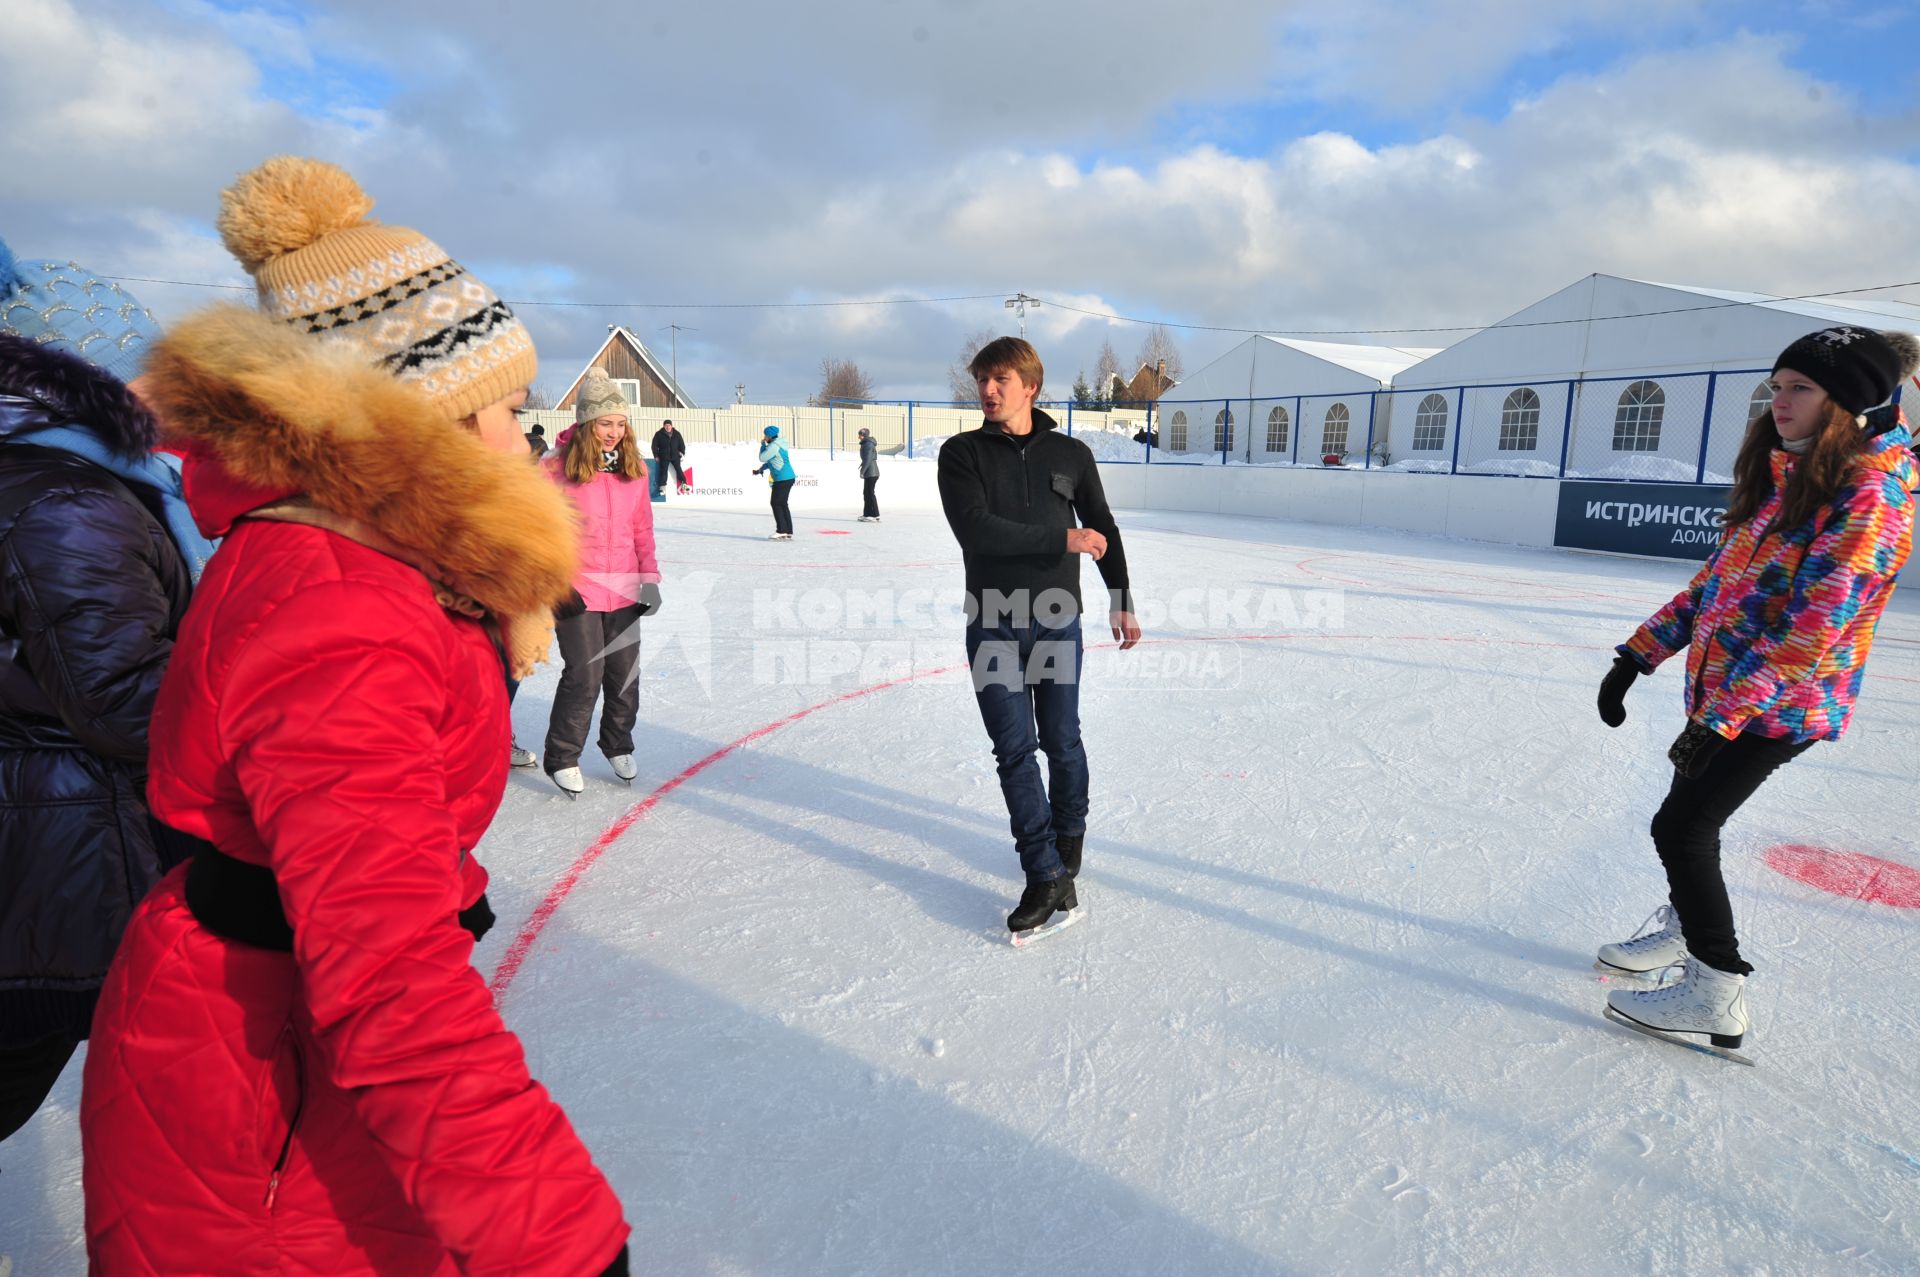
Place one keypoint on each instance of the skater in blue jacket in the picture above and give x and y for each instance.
(779, 472)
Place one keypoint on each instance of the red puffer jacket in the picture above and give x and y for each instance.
(355, 1105)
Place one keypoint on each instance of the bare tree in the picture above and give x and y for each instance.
(842, 379)
(1106, 371)
(1159, 345)
(538, 397)
(959, 380)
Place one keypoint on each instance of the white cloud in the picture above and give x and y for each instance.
(853, 159)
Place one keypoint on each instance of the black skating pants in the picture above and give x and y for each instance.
(602, 655)
(1686, 833)
(871, 509)
(782, 517)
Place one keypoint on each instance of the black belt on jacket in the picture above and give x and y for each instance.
(240, 901)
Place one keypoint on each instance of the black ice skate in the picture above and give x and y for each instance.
(1035, 915)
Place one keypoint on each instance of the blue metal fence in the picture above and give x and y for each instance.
(1665, 427)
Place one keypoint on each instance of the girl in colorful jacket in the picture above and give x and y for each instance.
(779, 472)
(295, 1067)
(1776, 627)
(617, 584)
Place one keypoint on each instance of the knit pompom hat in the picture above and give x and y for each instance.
(1857, 367)
(598, 397)
(300, 228)
(68, 307)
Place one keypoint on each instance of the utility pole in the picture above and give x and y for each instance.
(1018, 304)
(676, 350)
(739, 392)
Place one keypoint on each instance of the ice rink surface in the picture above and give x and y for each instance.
(1356, 833)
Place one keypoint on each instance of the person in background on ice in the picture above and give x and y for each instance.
(295, 1067)
(779, 472)
(97, 557)
(617, 584)
(1024, 501)
(869, 477)
(516, 756)
(669, 450)
(1776, 626)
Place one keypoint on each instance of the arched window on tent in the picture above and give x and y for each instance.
(1520, 421)
(1277, 429)
(1636, 421)
(1222, 430)
(1762, 399)
(1430, 424)
(1333, 430)
(1178, 435)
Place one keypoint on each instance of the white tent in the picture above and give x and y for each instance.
(1631, 379)
(1284, 389)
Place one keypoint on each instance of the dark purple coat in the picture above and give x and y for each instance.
(92, 590)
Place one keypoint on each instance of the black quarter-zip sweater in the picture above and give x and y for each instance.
(1010, 500)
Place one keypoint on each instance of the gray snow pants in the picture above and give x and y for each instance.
(602, 654)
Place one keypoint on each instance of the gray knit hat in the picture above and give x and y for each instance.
(598, 397)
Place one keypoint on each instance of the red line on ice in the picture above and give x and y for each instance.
(523, 943)
(1848, 873)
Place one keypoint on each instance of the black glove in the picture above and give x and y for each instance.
(571, 607)
(1613, 691)
(478, 918)
(1694, 748)
(649, 599)
(755, 470)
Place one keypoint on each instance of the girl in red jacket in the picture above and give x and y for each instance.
(618, 583)
(295, 1066)
(1776, 627)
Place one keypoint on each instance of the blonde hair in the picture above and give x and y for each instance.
(582, 461)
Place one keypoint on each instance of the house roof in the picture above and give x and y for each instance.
(640, 352)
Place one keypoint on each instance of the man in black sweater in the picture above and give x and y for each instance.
(669, 448)
(1025, 502)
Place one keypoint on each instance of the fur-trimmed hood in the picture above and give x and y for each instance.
(67, 390)
(266, 413)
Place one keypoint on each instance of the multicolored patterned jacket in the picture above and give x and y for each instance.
(1778, 622)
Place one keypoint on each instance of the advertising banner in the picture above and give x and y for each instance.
(1665, 520)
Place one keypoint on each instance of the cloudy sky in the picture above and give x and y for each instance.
(1321, 165)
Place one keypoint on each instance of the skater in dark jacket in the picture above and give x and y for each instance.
(1025, 502)
(869, 477)
(1776, 627)
(669, 450)
(97, 557)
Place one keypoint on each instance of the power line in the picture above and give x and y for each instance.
(522, 301)
(1122, 319)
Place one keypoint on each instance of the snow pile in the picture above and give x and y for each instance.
(1644, 467)
(1520, 466)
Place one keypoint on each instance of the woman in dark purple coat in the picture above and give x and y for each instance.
(93, 583)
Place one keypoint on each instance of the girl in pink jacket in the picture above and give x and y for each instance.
(618, 583)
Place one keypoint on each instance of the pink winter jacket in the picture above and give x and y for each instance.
(616, 540)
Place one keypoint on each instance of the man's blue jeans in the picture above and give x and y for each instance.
(1026, 680)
